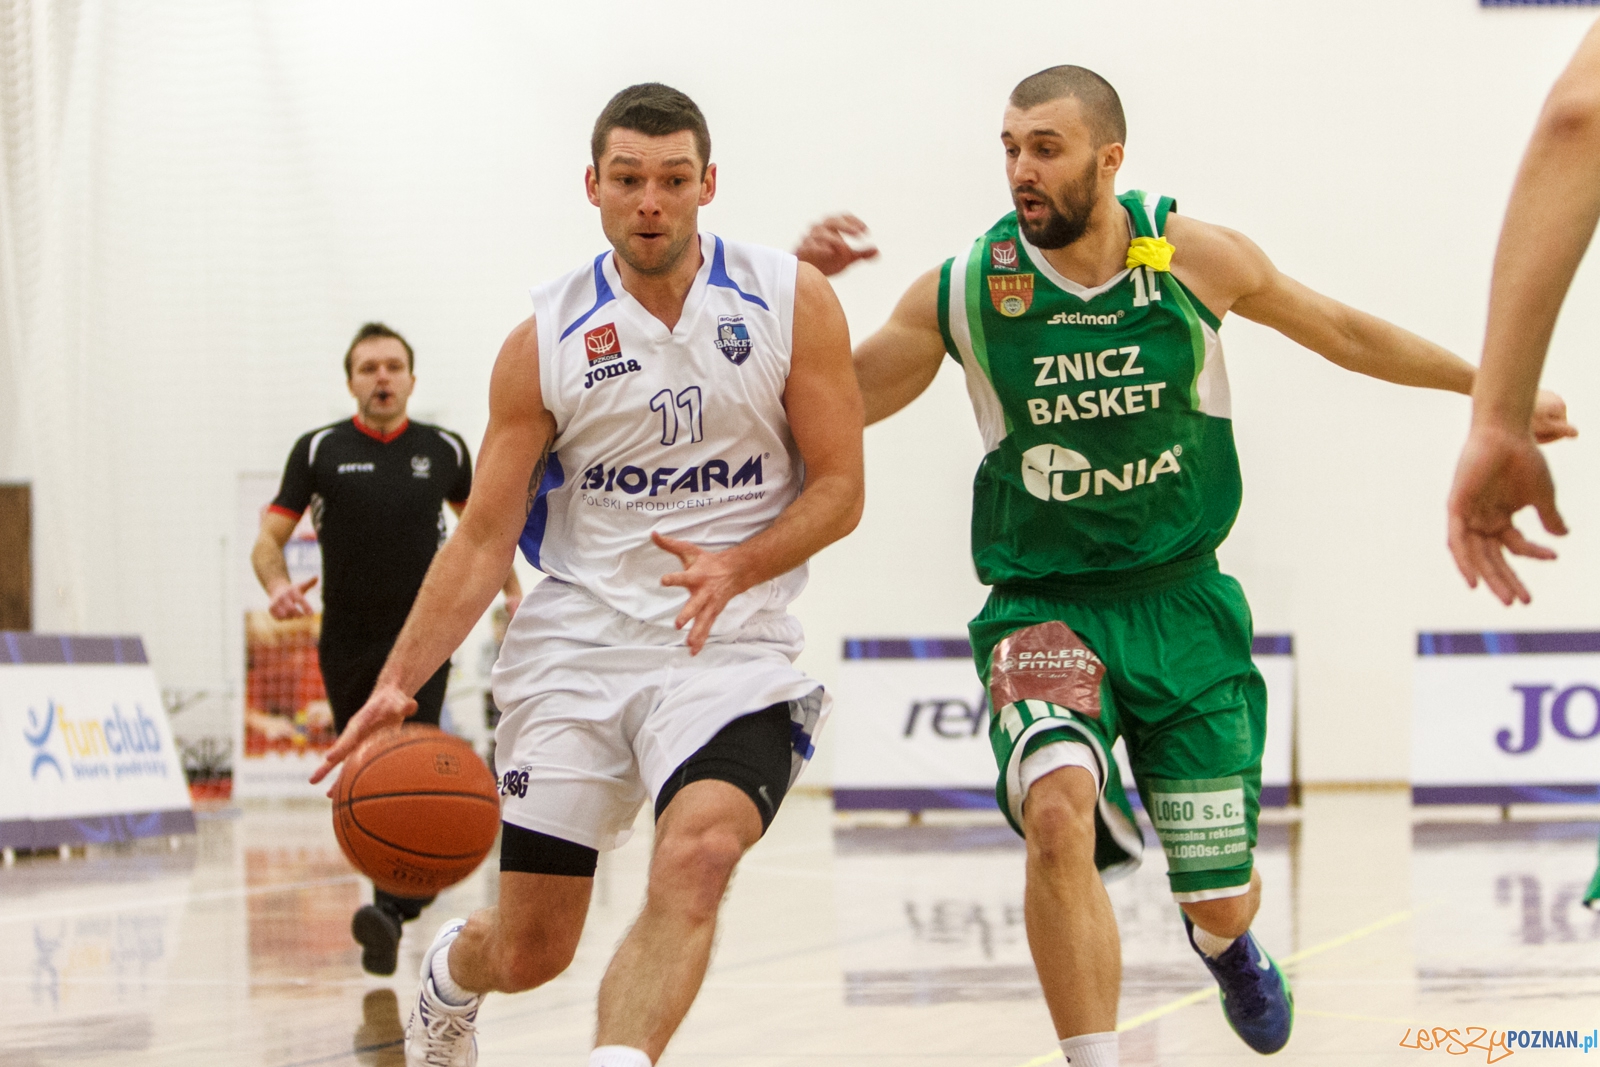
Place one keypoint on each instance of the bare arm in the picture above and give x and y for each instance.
(1228, 272)
(898, 362)
(1548, 225)
(824, 409)
(272, 571)
(1549, 221)
(513, 587)
(471, 566)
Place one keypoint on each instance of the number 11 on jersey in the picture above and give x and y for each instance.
(689, 400)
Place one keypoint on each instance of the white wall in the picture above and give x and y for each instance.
(233, 187)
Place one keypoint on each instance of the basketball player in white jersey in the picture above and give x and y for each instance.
(672, 434)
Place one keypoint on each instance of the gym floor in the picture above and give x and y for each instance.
(852, 941)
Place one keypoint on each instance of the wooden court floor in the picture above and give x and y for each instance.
(850, 943)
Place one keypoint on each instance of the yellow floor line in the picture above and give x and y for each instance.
(1210, 991)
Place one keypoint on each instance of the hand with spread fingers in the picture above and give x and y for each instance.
(1498, 475)
(387, 707)
(712, 579)
(835, 243)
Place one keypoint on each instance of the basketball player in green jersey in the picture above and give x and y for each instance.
(1087, 325)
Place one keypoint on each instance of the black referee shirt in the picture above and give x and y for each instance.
(377, 504)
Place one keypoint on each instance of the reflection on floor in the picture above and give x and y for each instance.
(846, 942)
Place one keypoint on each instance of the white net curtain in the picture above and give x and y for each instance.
(199, 203)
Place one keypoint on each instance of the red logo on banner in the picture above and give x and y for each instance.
(602, 343)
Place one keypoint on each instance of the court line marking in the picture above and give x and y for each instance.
(237, 892)
(1210, 991)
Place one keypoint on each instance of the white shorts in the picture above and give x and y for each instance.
(598, 709)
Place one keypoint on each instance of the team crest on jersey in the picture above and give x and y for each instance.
(1003, 255)
(1011, 294)
(733, 338)
(602, 344)
(420, 466)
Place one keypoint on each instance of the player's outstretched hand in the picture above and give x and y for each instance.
(1499, 474)
(835, 243)
(711, 579)
(1550, 419)
(386, 707)
(290, 602)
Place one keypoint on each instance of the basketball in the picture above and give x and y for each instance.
(416, 810)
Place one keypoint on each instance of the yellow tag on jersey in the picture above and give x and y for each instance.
(1152, 252)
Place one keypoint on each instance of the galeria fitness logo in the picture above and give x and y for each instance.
(116, 746)
(1496, 1045)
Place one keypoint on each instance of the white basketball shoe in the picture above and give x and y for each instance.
(441, 1034)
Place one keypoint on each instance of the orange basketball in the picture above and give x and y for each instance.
(416, 810)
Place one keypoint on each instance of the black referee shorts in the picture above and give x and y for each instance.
(350, 669)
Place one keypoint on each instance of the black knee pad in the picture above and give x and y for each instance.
(753, 753)
(530, 852)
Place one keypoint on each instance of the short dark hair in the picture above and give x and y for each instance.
(367, 332)
(654, 110)
(1102, 108)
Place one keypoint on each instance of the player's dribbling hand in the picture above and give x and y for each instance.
(1499, 474)
(1550, 419)
(385, 708)
(290, 602)
(711, 579)
(835, 243)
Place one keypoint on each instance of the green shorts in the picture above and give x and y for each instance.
(1178, 685)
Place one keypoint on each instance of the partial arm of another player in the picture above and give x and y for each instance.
(824, 409)
(1228, 272)
(470, 568)
(272, 570)
(1548, 225)
(513, 587)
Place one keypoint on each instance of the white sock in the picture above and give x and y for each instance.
(444, 986)
(1092, 1050)
(618, 1056)
(1210, 943)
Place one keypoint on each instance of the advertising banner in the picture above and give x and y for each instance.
(911, 722)
(1504, 718)
(85, 748)
(285, 723)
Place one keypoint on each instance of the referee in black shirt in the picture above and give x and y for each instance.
(376, 485)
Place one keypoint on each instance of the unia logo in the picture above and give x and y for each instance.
(1047, 472)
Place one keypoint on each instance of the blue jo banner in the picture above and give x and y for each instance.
(86, 752)
(911, 721)
(1504, 718)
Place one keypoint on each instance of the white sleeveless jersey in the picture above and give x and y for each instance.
(681, 431)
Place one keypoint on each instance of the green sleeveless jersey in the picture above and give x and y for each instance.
(1105, 412)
